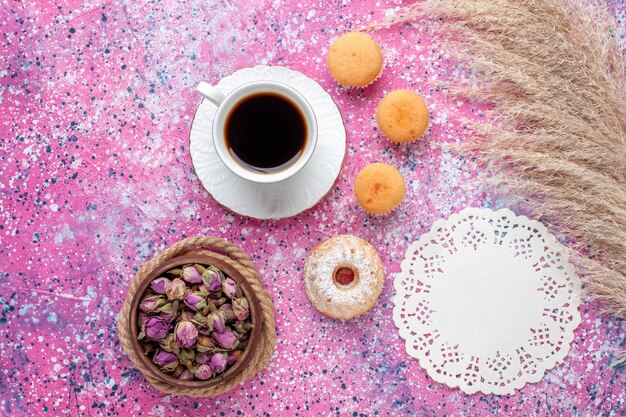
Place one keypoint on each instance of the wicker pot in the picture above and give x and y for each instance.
(236, 264)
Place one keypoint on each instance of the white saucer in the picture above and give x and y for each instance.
(286, 198)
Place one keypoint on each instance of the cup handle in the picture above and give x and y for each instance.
(211, 93)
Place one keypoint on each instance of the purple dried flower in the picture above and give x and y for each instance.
(166, 361)
(219, 301)
(199, 319)
(186, 334)
(241, 308)
(166, 308)
(229, 287)
(233, 357)
(202, 358)
(205, 344)
(212, 279)
(203, 289)
(242, 327)
(195, 301)
(218, 362)
(191, 275)
(186, 356)
(227, 339)
(156, 328)
(186, 376)
(167, 316)
(159, 285)
(150, 303)
(216, 321)
(169, 344)
(203, 372)
(229, 314)
(176, 290)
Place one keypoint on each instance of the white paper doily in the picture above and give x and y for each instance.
(487, 301)
(286, 198)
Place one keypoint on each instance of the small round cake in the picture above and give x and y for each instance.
(343, 276)
(355, 60)
(402, 116)
(379, 188)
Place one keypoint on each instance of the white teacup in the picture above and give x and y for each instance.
(226, 103)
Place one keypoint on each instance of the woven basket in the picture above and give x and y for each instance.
(234, 261)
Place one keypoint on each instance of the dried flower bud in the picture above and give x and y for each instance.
(215, 295)
(191, 275)
(218, 362)
(166, 308)
(186, 376)
(178, 371)
(227, 339)
(186, 356)
(203, 289)
(212, 279)
(202, 358)
(229, 313)
(241, 308)
(166, 361)
(234, 357)
(176, 290)
(176, 271)
(151, 302)
(205, 344)
(195, 301)
(242, 327)
(167, 316)
(156, 328)
(169, 344)
(216, 321)
(169, 311)
(159, 285)
(186, 334)
(229, 287)
(219, 301)
(199, 319)
(203, 372)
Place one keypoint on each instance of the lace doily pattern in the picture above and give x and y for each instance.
(487, 301)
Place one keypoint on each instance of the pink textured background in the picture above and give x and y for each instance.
(96, 104)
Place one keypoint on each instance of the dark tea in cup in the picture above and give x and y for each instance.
(265, 132)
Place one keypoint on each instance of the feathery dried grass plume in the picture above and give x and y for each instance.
(553, 70)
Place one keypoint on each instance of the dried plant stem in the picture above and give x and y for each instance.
(552, 71)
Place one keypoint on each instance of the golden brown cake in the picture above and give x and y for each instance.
(379, 188)
(343, 276)
(355, 60)
(402, 116)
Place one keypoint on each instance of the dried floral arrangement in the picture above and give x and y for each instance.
(194, 322)
(553, 73)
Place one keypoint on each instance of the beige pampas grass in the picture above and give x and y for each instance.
(553, 70)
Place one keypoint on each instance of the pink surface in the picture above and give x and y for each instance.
(96, 178)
